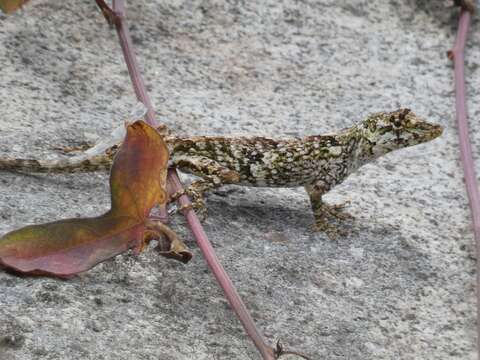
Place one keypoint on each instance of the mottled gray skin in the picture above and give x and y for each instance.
(328, 159)
(317, 163)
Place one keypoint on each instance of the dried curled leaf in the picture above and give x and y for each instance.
(11, 5)
(70, 246)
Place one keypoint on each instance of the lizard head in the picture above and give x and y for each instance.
(384, 132)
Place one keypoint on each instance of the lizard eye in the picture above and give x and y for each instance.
(397, 122)
(404, 113)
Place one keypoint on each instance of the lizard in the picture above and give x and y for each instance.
(317, 162)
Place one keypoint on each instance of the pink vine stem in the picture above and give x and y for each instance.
(219, 272)
(116, 16)
(457, 55)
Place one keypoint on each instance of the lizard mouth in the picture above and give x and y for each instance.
(436, 131)
(421, 133)
(433, 131)
(427, 131)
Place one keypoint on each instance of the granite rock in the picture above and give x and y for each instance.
(400, 285)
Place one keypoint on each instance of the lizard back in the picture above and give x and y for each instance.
(263, 161)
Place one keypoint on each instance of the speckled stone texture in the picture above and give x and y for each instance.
(399, 286)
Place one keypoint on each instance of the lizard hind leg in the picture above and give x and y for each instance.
(327, 217)
(195, 192)
(213, 175)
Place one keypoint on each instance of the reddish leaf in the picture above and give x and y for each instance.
(71, 246)
(139, 172)
(11, 5)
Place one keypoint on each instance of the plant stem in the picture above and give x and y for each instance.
(131, 60)
(220, 274)
(457, 55)
(116, 15)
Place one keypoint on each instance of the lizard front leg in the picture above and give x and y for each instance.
(212, 173)
(326, 215)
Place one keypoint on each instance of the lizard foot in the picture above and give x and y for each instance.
(328, 217)
(198, 204)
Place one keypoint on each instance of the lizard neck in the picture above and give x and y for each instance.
(370, 148)
(351, 143)
(367, 146)
(356, 148)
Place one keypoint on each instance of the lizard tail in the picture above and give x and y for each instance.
(80, 163)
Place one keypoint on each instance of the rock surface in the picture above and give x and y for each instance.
(399, 286)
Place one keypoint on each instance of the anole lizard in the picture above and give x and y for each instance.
(317, 163)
